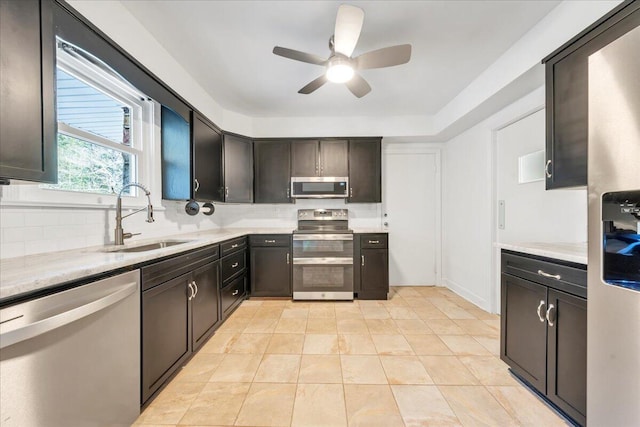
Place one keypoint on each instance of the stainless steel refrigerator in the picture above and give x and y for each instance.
(613, 331)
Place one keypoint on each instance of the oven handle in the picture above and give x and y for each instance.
(322, 261)
(345, 236)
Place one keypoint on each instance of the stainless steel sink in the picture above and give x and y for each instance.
(149, 247)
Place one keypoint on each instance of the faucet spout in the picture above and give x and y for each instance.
(120, 235)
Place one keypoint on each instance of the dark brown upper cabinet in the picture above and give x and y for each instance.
(238, 169)
(272, 169)
(319, 158)
(28, 147)
(567, 96)
(365, 171)
(207, 160)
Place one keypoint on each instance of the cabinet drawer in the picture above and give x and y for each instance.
(233, 265)
(270, 240)
(563, 276)
(162, 271)
(232, 294)
(231, 246)
(373, 240)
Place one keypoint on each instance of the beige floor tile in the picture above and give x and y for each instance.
(428, 312)
(252, 302)
(171, 405)
(244, 312)
(392, 345)
(320, 369)
(278, 368)
(200, 368)
(477, 327)
(322, 310)
(286, 344)
(371, 406)
(395, 300)
(356, 344)
(402, 313)
(412, 326)
(414, 301)
(220, 342)
(295, 313)
(475, 406)
(375, 313)
(407, 291)
(348, 311)
(237, 324)
(291, 326)
(237, 368)
(456, 312)
(251, 343)
(423, 405)
(428, 345)
(489, 370)
(444, 326)
(276, 302)
(217, 403)
(360, 369)
(448, 370)
(494, 323)
(267, 405)
(442, 302)
(481, 314)
(382, 326)
(268, 312)
(321, 325)
(259, 325)
(352, 326)
(320, 344)
(492, 344)
(405, 370)
(525, 407)
(464, 345)
(319, 405)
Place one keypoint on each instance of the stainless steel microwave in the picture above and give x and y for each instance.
(319, 187)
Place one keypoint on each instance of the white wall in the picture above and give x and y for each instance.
(531, 213)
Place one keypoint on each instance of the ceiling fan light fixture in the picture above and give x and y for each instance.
(339, 70)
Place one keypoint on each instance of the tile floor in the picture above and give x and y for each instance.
(424, 357)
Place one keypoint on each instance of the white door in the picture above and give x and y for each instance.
(411, 214)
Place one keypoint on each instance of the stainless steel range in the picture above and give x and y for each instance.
(323, 255)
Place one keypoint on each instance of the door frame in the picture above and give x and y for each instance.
(393, 148)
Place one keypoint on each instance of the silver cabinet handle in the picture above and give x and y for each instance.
(235, 292)
(546, 169)
(234, 245)
(195, 285)
(226, 192)
(234, 265)
(542, 303)
(551, 276)
(197, 185)
(351, 192)
(269, 241)
(288, 258)
(374, 242)
(362, 260)
(192, 291)
(548, 315)
(288, 193)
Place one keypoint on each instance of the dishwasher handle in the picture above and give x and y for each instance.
(56, 321)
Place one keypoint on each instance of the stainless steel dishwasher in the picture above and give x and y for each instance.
(73, 358)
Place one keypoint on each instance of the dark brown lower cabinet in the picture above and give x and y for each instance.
(544, 331)
(233, 282)
(204, 304)
(372, 256)
(270, 265)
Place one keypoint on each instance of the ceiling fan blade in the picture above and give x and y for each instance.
(358, 86)
(315, 84)
(296, 55)
(348, 26)
(385, 57)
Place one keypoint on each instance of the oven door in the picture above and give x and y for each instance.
(323, 278)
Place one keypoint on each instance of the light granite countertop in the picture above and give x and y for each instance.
(31, 273)
(572, 252)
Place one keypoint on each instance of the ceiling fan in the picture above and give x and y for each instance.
(341, 67)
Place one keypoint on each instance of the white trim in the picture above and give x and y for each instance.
(468, 295)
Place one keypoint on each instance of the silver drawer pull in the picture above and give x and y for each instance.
(540, 311)
(235, 292)
(288, 258)
(234, 265)
(362, 260)
(549, 321)
(269, 241)
(234, 246)
(551, 276)
(546, 169)
(375, 242)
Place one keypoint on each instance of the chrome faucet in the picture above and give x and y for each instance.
(120, 235)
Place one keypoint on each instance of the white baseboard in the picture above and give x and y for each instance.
(467, 294)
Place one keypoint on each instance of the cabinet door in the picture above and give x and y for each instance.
(567, 354)
(28, 143)
(272, 164)
(165, 332)
(204, 306)
(177, 181)
(374, 273)
(207, 161)
(523, 337)
(304, 158)
(238, 169)
(270, 271)
(364, 171)
(334, 158)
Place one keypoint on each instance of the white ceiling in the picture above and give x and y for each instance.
(226, 46)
